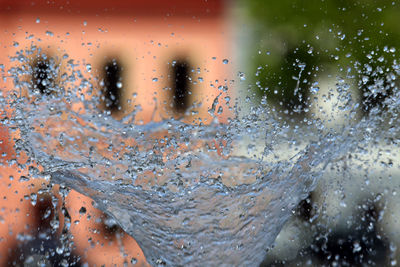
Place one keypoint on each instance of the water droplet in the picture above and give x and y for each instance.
(24, 179)
(314, 90)
(88, 67)
(60, 250)
(242, 76)
(33, 199)
(82, 210)
(356, 247)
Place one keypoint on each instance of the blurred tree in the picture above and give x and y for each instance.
(297, 39)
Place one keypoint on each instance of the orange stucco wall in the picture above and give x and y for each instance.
(145, 41)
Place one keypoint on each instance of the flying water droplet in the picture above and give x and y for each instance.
(88, 67)
(242, 76)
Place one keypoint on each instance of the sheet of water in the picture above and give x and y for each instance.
(184, 192)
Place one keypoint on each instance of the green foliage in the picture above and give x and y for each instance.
(317, 34)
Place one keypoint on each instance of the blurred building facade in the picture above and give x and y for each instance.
(160, 59)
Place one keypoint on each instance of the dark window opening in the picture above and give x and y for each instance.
(43, 241)
(43, 76)
(374, 94)
(112, 86)
(286, 81)
(109, 228)
(295, 77)
(305, 209)
(181, 85)
(372, 247)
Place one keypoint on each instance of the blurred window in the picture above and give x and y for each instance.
(43, 75)
(374, 93)
(181, 85)
(112, 85)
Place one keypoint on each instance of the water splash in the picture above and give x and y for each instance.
(184, 192)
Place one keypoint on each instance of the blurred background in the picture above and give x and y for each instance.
(164, 59)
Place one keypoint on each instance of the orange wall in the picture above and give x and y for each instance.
(145, 43)
(146, 46)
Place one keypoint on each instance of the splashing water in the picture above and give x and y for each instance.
(185, 192)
